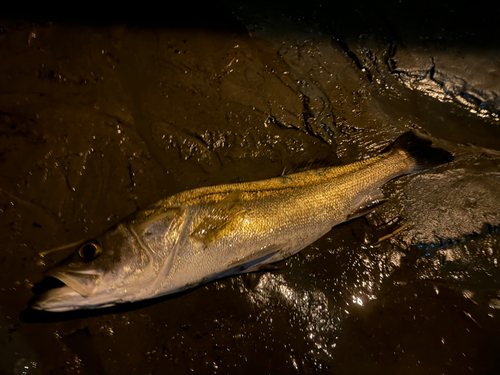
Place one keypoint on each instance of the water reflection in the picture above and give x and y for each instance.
(311, 310)
(317, 303)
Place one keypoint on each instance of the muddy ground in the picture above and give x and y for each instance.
(104, 115)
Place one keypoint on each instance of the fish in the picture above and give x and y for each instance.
(200, 235)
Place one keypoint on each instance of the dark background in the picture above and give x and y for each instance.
(105, 112)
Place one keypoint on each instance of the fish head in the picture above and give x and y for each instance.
(113, 268)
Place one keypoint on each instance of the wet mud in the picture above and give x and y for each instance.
(100, 117)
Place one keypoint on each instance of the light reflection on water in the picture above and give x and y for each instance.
(319, 303)
(311, 309)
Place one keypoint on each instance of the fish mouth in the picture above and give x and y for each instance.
(84, 282)
(66, 290)
(59, 299)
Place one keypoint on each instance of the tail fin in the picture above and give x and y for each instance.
(419, 149)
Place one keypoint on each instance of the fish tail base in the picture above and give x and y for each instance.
(420, 151)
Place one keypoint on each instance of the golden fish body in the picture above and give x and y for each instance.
(203, 234)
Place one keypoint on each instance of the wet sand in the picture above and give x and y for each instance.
(100, 117)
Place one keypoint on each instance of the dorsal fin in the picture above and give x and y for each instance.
(311, 164)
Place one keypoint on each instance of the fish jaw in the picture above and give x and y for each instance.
(70, 296)
(76, 293)
(82, 282)
(60, 300)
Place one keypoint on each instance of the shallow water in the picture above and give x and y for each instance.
(99, 119)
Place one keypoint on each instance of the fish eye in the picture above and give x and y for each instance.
(89, 251)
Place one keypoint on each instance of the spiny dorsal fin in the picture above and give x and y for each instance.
(227, 210)
(311, 164)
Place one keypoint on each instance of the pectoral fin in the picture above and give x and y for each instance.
(228, 210)
(253, 261)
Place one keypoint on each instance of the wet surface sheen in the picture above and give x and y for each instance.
(99, 119)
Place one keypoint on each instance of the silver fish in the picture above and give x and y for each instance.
(208, 233)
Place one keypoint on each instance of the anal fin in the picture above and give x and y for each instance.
(367, 204)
